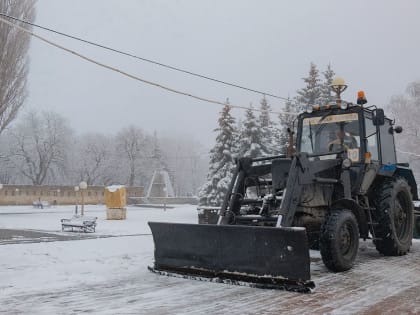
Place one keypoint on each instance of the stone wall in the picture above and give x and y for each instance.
(162, 200)
(60, 195)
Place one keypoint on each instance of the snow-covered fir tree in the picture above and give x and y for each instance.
(311, 93)
(157, 161)
(250, 136)
(326, 97)
(286, 121)
(269, 143)
(221, 164)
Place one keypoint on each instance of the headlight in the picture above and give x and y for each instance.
(346, 163)
(344, 105)
(309, 109)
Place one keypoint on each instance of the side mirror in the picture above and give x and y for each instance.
(397, 129)
(378, 118)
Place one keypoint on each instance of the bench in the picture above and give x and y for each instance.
(41, 204)
(79, 224)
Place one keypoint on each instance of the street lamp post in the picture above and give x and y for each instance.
(338, 85)
(76, 189)
(83, 187)
(58, 196)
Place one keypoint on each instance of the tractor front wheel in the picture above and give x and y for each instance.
(339, 241)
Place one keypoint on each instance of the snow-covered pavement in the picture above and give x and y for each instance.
(109, 275)
(48, 219)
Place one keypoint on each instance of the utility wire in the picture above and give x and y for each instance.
(144, 59)
(22, 29)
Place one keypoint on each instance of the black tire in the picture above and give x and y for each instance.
(394, 216)
(339, 240)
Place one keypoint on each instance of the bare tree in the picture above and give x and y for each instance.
(187, 162)
(413, 90)
(13, 60)
(94, 158)
(405, 110)
(40, 145)
(132, 142)
(7, 169)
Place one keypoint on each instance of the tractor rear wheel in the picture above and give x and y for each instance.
(394, 217)
(339, 241)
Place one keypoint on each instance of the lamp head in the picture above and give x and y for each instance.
(338, 85)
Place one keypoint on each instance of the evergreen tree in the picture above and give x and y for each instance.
(325, 97)
(286, 121)
(250, 136)
(236, 149)
(156, 154)
(314, 93)
(267, 129)
(311, 93)
(221, 162)
(157, 161)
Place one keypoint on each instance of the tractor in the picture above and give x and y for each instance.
(340, 182)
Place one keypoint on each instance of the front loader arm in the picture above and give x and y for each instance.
(291, 196)
(234, 193)
(302, 172)
(233, 199)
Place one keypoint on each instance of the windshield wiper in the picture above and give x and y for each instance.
(371, 135)
(310, 136)
(318, 130)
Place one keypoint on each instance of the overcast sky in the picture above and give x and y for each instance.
(266, 45)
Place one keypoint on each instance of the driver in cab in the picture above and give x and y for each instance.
(342, 142)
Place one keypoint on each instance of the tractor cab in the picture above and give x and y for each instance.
(360, 133)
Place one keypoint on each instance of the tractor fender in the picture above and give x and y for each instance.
(357, 211)
(407, 174)
(400, 170)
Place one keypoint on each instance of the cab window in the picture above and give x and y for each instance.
(387, 144)
(371, 139)
(331, 133)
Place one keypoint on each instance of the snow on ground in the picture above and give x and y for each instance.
(48, 219)
(110, 276)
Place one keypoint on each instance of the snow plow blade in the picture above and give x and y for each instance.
(264, 257)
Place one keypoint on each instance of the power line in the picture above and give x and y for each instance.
(131, 76)
(144, 59)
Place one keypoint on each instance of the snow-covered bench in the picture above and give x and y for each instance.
(79, 224)
(41, 204)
